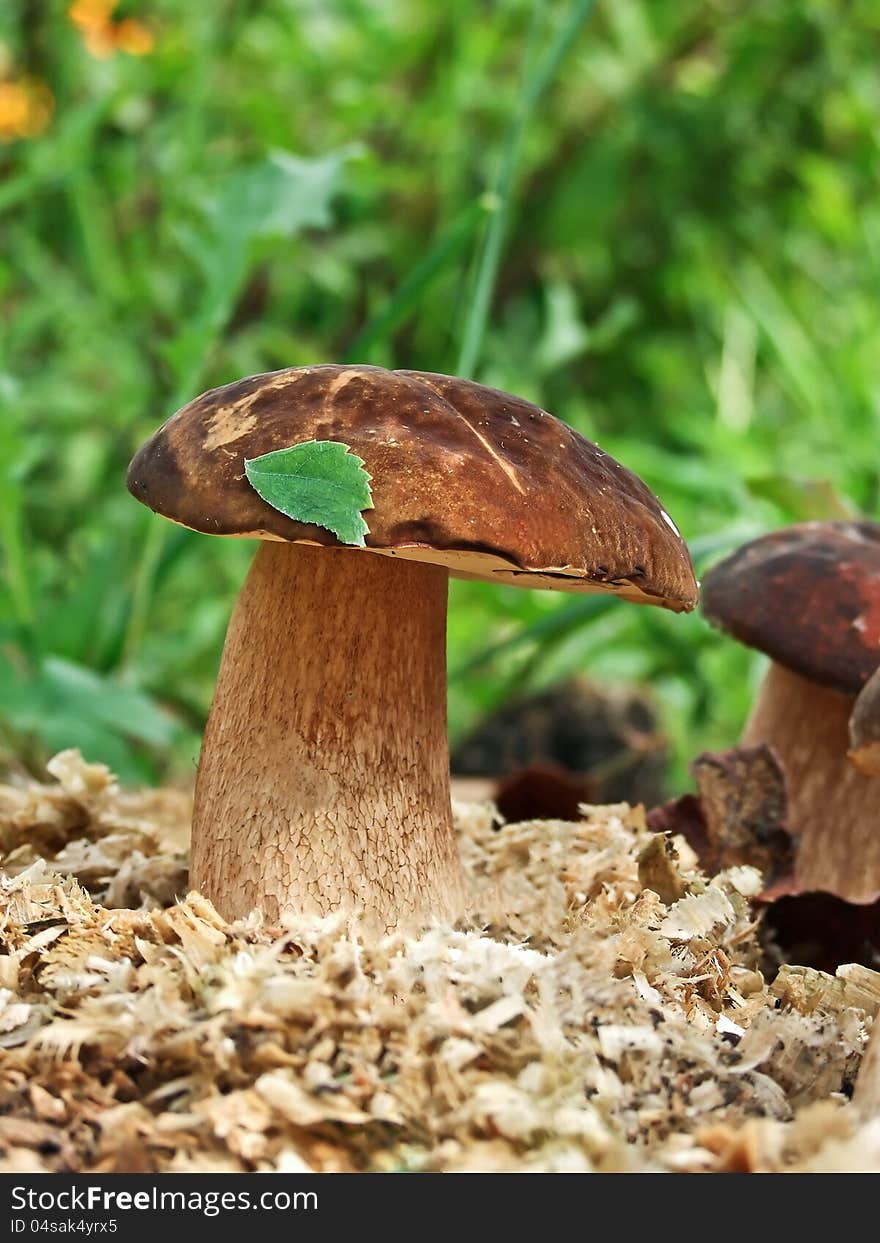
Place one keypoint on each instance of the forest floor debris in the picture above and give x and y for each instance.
(574, 1021)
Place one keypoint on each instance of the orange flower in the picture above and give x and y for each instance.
(91, 14)
(134, 37)
(25, 108)
(102, 36)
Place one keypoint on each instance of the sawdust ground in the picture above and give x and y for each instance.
(577, 1021)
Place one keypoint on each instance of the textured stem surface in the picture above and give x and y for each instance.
(323, 783)
(833, 809)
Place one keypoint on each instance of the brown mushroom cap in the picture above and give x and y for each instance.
(807, 596)
(464, 476)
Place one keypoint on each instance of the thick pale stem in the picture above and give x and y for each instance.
(323, 783)
(833, 809)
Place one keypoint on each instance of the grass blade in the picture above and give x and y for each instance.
(538, 76)
(410, 290)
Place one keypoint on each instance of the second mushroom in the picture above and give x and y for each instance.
(808, 596)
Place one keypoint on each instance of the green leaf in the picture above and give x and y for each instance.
(281, 196)
(319, 481)
(273, 200)
(57, 704)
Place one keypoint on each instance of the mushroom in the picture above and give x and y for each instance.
(864, 728)
(323, 782)
(808, 596)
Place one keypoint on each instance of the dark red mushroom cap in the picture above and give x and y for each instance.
(462, 475)
(807, 596)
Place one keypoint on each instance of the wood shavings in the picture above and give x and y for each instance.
(807, 990)
(88, 828)
(738, 815)
(596, 1011)
(659, 869)
(697, 914)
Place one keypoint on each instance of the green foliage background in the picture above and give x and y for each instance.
(658, 218)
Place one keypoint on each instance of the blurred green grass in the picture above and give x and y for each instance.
(659, 220)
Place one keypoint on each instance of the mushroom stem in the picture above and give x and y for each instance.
(864, 730)
(323, 782)
(832, 808)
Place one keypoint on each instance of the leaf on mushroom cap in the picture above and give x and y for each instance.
(464, 476)
(807, 596)
(319, 481)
